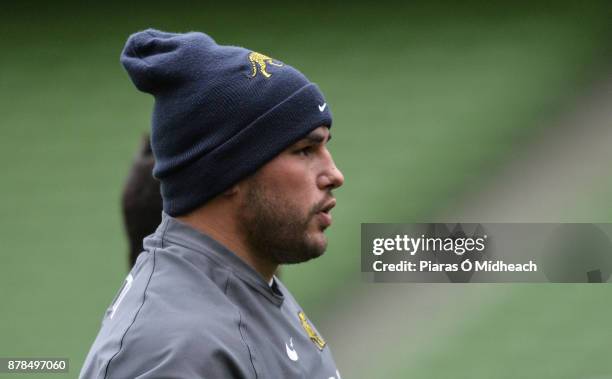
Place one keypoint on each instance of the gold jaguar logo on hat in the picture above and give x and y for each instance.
(260, 61)
(314, 337)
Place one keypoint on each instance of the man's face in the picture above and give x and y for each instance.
(286, 204)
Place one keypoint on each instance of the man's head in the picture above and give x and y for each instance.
(238, 128)
(220, 113)
(285, 205)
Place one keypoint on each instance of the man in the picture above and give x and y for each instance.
(141, 201)
(239, 141)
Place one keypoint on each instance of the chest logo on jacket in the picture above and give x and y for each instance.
(291, 353)
(312, 334)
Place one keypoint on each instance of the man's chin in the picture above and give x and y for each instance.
(314, 247)
(318, 244)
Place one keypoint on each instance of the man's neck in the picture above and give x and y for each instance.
(226, 233)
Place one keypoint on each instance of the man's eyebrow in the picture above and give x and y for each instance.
(316, 138)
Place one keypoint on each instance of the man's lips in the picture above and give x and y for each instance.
(328, 206)
(324, 214)
(325, 219)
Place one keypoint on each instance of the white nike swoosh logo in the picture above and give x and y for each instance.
(292, 354)
(322, 107)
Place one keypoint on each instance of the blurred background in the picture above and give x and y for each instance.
(484, 111)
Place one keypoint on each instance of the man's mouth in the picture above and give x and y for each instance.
(329, 205)
(324, 214)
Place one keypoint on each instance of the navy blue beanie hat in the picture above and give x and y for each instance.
(220, 112)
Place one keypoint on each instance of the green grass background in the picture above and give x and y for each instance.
(428, 101)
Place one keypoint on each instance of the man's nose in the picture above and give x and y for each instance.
(331, 178)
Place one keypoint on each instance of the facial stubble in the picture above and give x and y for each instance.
(276, 229)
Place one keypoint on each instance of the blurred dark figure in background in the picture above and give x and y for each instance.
(141, 201)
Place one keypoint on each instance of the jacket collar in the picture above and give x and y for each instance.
(173, 231)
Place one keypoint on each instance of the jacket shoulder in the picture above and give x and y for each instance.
(178, 324)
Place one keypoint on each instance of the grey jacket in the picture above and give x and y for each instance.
(190, 308)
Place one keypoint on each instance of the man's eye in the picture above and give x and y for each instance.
(306, 151)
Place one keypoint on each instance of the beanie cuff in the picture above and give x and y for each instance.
(244, 153)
